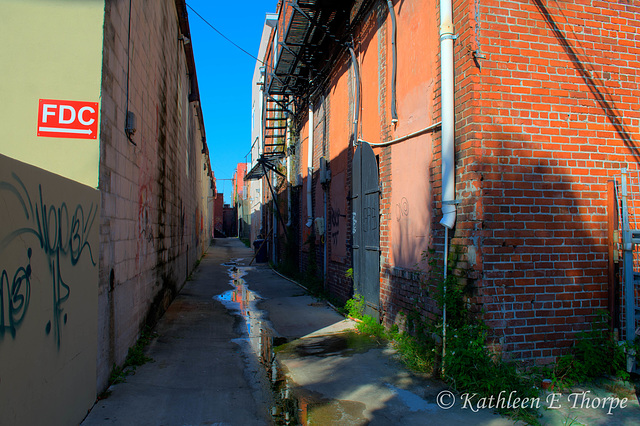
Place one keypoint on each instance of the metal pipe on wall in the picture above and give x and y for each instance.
(394, 68)
(310, 169)
(447, 113)
(274, 220)
(326, 241)
(356, 112)
(447, 151)
(288, 173)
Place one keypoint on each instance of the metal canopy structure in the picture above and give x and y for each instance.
(263, 165)
(309, 32)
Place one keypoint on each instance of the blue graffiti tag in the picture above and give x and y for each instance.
(59, 234)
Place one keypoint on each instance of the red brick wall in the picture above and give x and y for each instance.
(545, 120)
(546, 112)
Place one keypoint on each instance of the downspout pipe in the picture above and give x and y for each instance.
(326, 240)
(274, 220)
(288, 172)
(447, 111)
(447, 148)
(394, 55)
(356, 112)
(310, 170)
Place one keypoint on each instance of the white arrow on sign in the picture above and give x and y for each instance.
(59, 130)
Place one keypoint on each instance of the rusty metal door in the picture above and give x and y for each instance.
(366, 228)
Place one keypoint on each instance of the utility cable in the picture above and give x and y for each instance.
(126, 112)
(222, 35)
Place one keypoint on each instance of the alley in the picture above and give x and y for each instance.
(214, 360)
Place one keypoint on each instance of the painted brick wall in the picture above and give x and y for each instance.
(151, 230)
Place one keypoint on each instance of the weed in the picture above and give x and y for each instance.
(355, 306)
(349, 274)
(135, 358)
(594, 354)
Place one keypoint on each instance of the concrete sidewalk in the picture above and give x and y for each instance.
(329, 375)
(199, 374)
(214, 363)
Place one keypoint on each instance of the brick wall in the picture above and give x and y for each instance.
(543, 122)
(546, 108)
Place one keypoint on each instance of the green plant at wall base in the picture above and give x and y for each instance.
(367, 324)
(135, 358)
(349, 274)
(594, 354)
(355, 306)
(469, 365)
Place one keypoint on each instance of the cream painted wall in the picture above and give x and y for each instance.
(50, 50)
(48, 296)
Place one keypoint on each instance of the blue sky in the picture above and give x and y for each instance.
(224, 77)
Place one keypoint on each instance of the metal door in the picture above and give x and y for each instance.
(630, 203)
(366, 228)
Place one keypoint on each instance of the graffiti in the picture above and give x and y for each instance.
(145, 232)
(369, 219)
(333, 224)
(354, 222)
(59, 233)
(182, 217)
(18, 294)
(402, 209)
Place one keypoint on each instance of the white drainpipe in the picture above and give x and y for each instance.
(310, 169)
(448, 119)
(274, 220)
(448, 152)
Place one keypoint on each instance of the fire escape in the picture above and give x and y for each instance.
(275, 126)
(308, 37)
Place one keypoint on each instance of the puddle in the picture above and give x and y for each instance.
(411, 400)
(312, 409)
(242, 301)
(257, 343)
(345, 344)
(234, 262)
(290, 405)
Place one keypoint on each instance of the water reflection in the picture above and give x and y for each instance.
(243, 302)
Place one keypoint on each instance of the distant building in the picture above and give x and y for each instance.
(218, 215)
(242, 201)
(229, 221)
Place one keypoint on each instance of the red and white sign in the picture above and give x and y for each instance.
(68, 119)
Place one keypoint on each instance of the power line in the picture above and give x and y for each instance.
(224, 36)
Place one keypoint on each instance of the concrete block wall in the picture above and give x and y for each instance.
(152, 229)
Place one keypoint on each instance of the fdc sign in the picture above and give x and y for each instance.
(68, 119)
